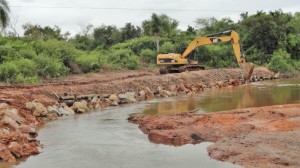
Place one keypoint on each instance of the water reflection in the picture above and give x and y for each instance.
(252, 95)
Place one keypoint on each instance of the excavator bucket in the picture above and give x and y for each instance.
(247, 70)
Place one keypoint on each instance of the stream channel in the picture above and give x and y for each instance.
(106, 139)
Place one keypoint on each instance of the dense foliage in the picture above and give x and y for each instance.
(270, 39)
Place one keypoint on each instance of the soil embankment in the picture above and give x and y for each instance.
(22, 108)
(251, 137)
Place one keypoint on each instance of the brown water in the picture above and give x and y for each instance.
(106, 139)
(258, 94)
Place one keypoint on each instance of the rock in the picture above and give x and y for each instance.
(80, 107)
(182, 88)
(220, 84)
(38, 109)
(62, 111)
(53, 109)
(142, 93)
(165, 93)
(233, 82)
(16, 149)
(172, 88)
(122, 98)
(95, 99)
(67, 108)
(277, 75)
(149, 94)
(10, 122)
(114, 97)
(13, 114)
(114, 103)
(130, 97)
(6, 155)
(3, 105)
(84, 102)
(26, 129)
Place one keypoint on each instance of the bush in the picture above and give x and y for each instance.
(21, 79)
(8, 71)
(89, 63)
(8, 53)
(19, 71)
(167, 47)
(149, 56)
(124, 58)
(27, 53)
(281, 61)
(26, 67)
(49, 67)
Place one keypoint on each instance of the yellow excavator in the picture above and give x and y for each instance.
(181, 62)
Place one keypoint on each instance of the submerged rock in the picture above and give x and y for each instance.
(80, 107)
(114, 97)
(149, 94)
(130, 97)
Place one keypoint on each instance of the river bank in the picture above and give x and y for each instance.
(23, 108)
(251, 137)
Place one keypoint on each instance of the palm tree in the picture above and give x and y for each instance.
(4, 10)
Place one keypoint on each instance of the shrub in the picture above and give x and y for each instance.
(167, 47)
(124, 58)
(8, 71)
(281, 61)
(26, 67)
(148, 55)
(27, 53)
(22, 79)
(89, 63)
(49, 67)
(8, 53)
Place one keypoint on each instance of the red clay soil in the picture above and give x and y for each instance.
(252, 137)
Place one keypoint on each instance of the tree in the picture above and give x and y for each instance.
(159, 25)
(106, 36)
(264, 33)
(4, 10)
(129, 31)
(212, 25)
(36, 32)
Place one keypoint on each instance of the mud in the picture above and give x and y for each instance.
(251, 137)
(27, 106)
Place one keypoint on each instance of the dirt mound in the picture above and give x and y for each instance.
(252, 137)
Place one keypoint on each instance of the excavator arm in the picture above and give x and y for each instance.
(215, 38)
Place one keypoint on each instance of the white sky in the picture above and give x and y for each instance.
(72, 19)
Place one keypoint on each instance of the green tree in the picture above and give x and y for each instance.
(159, 25)
(36, 32)
(212, 25)
(106, 36)
(129, 31)
(4, 13)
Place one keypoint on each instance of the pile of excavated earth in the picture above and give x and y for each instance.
(23, 108)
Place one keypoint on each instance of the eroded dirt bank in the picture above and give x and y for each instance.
(22, 108)
(251, 137)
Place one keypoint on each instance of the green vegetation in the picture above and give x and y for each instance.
(270, 39)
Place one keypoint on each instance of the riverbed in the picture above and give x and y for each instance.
(107, 139)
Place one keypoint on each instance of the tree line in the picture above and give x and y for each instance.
(268, 38)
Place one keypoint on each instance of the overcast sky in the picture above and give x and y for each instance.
(71, 15)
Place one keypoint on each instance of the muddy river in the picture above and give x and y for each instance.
(106, 139)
